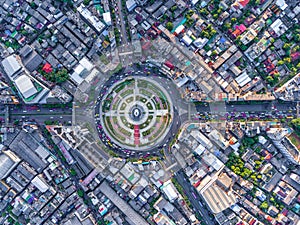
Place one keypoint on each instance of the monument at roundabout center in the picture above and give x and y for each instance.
(136, 113)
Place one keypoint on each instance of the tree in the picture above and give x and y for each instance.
(280, 62)
(287, 59)
(213, 32)
(169, 26)
(227, 25)
(233, 20)
(287, 46)
(296, 37)
(72, 172)
(86, 2)
(204, 11)
(173, 8)
(80, 193)
(264, 205)
(58, 76)
(214, 52)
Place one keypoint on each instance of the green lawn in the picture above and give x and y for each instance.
(295, 139)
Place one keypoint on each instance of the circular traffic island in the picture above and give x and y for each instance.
(136, 113)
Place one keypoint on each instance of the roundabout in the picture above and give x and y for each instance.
(135, 114)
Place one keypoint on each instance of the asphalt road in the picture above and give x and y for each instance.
(189, 189)
(259, 107)
(39, 114)
(122, 23)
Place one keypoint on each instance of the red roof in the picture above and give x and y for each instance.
(47, 68)
(244, 2)
(252, 221)
(285, 212)
(169, 64)
(241, 27)
(269, 218)
(295, 56)
(236, 33)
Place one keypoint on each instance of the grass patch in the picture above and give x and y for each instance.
(295, 139)
(104, 59)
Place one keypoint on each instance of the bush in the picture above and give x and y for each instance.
(80, 193)
(169, 26)
(86, 2)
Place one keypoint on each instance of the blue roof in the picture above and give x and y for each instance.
(7, 32)
(222, 40)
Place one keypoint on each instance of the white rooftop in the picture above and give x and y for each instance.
(179, 29)
(187, 40)
(97, 24)
(107, 18)
(11, 65)
(39, 184)
(86, 64)
(25, 86)
(281, 4)
(169, 191)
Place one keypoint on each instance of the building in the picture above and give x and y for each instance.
(95, 23)
(25, 86)
(179, 30)
(217, 199)
(11, 65)
(135, 218)
(82, 70)
(162, 219)
(243, 79)
(169, 190)
(130, 5)
(286, 147)
(107, 18)
(200, 42)
(278, 27)
(8, 161)
(30, 58)
(187, 40)
(39, 184)
(201, 139)
(285, 192)
(281, 4)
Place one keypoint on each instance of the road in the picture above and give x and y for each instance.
(39, 114)
(123, 28)
(189, 189)
(259, 107)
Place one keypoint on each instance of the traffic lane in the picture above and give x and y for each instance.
(262, 107)
(121, 18)
(65, 119)
(195, 202)
(25, 110)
